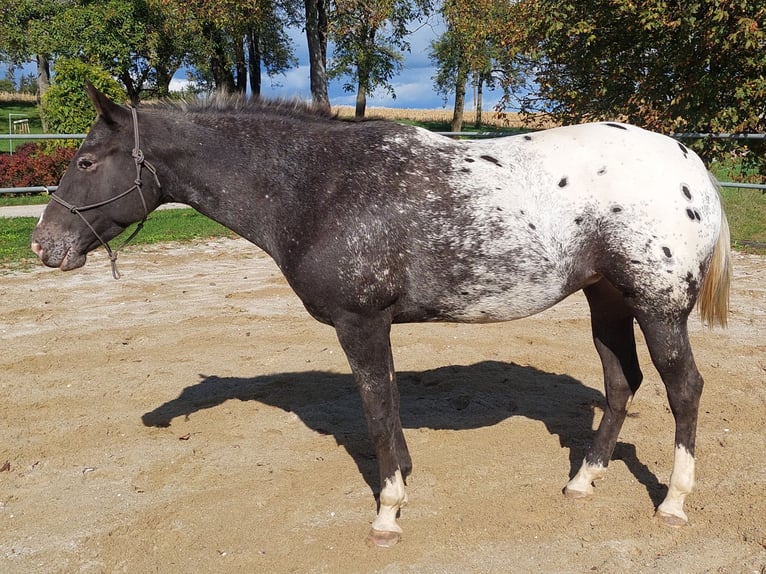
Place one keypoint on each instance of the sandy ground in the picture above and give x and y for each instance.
(191, 417)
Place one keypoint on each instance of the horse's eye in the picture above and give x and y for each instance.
(84, 163)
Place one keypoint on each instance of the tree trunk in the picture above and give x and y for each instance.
(219, 68)
(43, 75)
(43, 83)
(254, 61)
(164, 77)
(240, 81)
(316, 34)
(479, 99)
(361, 101)
(457, 114)
(130, 88)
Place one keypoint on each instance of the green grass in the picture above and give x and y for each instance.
(746, 211)
(445, 126)
(166, 225)
(27, 199)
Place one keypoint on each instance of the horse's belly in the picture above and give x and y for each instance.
(484, 303)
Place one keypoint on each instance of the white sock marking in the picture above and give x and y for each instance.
(582, 482)
(392, 498)
(681, 484)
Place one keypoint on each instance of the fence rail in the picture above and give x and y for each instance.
(19, 137)
(477, 135)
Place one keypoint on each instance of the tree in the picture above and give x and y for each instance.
(695, 66)
(472, 46)
(369, 37)
(19, 43)
(127, 38)
(8, 83)
(268, 43)
(229, 40)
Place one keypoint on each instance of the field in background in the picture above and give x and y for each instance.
(9, 97)
(443, 117)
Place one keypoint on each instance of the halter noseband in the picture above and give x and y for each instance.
(140, 161)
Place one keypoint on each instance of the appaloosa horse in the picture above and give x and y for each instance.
(375, 223)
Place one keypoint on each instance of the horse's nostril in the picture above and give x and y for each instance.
(37, 248)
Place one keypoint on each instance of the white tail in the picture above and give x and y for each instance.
(714, 295)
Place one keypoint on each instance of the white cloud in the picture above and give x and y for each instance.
(179, 84)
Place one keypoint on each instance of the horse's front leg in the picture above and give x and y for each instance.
(366, 342)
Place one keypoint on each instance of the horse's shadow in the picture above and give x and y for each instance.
(454, 398)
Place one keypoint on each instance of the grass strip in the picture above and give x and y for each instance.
(166, 225)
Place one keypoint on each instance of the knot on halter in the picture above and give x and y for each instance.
(138, 155)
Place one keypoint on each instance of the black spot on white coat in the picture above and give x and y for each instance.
(491, 159)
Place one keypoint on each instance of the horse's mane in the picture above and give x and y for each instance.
(221, 102)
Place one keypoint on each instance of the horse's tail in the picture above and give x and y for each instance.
(714, 295)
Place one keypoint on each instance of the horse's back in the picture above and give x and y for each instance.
(542, 215)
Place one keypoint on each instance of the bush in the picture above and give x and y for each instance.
(31, 165)
(65, 105)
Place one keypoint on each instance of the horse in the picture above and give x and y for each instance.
(374, 223)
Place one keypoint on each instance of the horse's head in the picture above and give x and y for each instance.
(105, 188)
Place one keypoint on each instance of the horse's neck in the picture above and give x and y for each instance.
(230, 183)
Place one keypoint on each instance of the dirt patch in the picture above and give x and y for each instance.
(193, 417)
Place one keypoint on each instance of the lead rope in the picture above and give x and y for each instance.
(140, 161)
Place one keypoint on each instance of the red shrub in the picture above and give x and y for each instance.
(31, 166)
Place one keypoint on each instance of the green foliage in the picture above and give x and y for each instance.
(18, 44)
(694, 66)
(66, 106)
(221, 38)
(8, 83)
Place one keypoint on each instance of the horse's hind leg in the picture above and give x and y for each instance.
(671, 353)
(367, 345)
(612, 329)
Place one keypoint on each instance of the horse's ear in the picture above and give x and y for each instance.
(106, 108)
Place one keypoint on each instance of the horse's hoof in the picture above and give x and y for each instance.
(670, 520)
(575, 494)
(382, 539)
